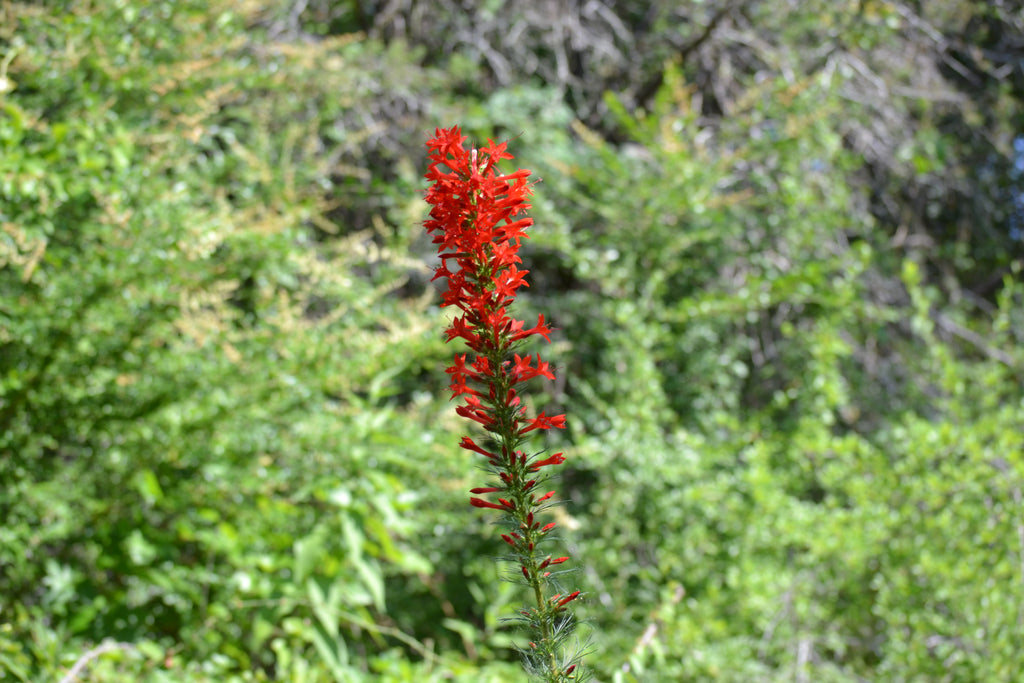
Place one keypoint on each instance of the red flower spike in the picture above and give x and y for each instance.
(477, 222)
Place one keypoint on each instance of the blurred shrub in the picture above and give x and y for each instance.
(799, 461)
(204, 446)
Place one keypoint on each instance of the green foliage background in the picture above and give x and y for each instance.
(782, 247)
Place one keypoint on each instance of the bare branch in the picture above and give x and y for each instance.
(83, 661)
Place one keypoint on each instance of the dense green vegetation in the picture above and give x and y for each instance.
(782, 243)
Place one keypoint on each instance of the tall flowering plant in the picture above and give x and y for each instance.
(478, 221)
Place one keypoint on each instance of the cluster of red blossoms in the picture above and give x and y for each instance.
(477, 220)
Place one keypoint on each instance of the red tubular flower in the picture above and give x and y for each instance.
(461, 328)
(474, 409)
(481, 503)
(541, 329)
(542, 421)
(470, 445)
(556, 459)
(567, 599)
(478, 223)
(522, 370)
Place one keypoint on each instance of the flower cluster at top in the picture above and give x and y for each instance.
(478, 223)
(475, 223)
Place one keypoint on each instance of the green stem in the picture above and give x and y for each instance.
(545, 626)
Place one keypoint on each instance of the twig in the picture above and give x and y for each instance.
(83, 661)
(947, 324)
